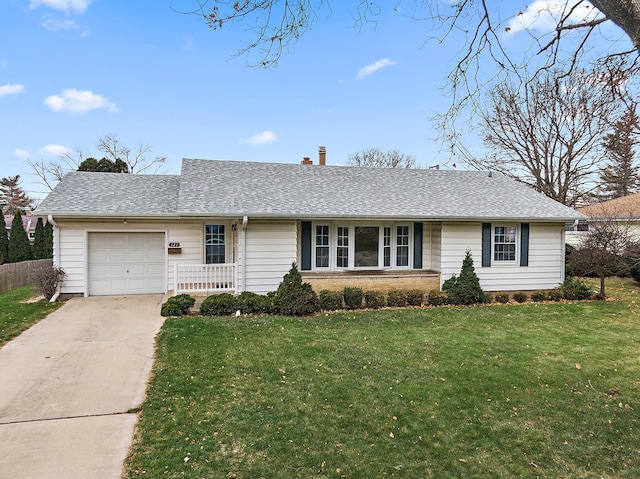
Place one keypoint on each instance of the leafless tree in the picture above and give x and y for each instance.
(610, 247)
(382, 159)
(477, 30)
(550, 134)
(109, 146)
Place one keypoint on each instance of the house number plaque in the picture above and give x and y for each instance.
(174, 248)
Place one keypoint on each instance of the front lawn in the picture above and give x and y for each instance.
(18, 315)
(499, 391)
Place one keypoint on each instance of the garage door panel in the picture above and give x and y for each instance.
(126, 263)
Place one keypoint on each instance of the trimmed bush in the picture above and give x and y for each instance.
(374, 299)
(249, 302)
(295, 298)
(415, 297)
(170, 309)
(330, 300)
(539, 296)
(502, 298)
(555, 294)
(575, 290)
(223, 304)
(520, 297)
(185, 301)
(465, 289)
(353, 297)
(396, 299)
(437, 298)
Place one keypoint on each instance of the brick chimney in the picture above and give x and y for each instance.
(322, 156)
(306, 161)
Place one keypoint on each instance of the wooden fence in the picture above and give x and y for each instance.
(15, 275)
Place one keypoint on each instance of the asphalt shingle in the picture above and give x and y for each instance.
(230, 188)
(107, 194)
(278, 190)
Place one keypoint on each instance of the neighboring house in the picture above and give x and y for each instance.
(28, 221)
(238, 226)
(625, 211)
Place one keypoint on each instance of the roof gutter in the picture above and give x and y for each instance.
(56, 242)
(245, 220)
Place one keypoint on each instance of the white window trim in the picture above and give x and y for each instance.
(505, 262)
(228, 239)
(351, 225)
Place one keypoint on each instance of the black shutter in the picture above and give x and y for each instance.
(305, 246)
(524, 244)
(486, 244)
(417, 245)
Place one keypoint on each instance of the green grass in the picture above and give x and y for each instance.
(500, 391)
(16, 315)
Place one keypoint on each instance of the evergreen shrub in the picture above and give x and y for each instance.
(396, 299)
(539, 296)
(465, 289)
(555, 294)
(574, 289)
(520, 297)
(295, 298)
(249, 302)
(223, 304)
(353, 297)
(502, 298)
(330, 300)
(437, 298)
(374, 299)
(415, 297)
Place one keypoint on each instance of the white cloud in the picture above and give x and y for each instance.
(11, 89)
(56, 25)
(374, 67)
(79, 101)
(54, 150)
(261, 138)
(543, 15)
(67, 6)
(22, 154)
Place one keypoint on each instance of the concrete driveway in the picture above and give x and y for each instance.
(67, 386)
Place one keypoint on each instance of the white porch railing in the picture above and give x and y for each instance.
(205, 278)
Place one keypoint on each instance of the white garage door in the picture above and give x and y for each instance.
(126, 263)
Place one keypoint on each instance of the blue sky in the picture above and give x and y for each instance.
(72, 71)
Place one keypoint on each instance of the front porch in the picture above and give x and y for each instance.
(205, 278)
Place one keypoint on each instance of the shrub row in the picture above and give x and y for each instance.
(296, 298)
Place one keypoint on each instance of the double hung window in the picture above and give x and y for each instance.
(504, 243)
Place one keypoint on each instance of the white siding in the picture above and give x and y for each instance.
(71, 253)
(271, 249)
(431, 246)
(546, 258)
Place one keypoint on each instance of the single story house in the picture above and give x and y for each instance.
(238, 226)
(625, 211)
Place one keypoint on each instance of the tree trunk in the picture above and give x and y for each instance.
(602, 295)
(625, 14)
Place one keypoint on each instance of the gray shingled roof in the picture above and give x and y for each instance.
(231, 188)
(112, 194)
(278, 190)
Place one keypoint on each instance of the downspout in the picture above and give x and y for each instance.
(56, 242)
(245, 220)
